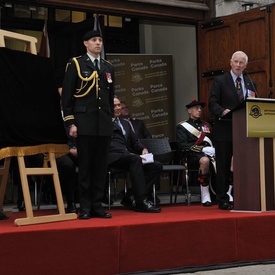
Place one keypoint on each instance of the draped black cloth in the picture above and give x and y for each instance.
(29, 101)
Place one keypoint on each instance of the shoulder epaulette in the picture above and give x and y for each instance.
(71, 61)
(106, 61)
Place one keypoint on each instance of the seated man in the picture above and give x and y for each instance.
(193, 135)
(137, 125)
(124, 153)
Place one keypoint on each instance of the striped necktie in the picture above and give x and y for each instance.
(129, 120)
(239, 88)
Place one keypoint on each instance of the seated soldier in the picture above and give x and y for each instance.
(194, 136)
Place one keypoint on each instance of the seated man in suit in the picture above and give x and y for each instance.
(124, 153)
(194, 136)
(140, 130)
(137, 125)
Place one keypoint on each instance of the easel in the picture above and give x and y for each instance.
(30, 42)
(50, 168)
(49, 151)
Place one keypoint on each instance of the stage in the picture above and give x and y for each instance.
(179, 237)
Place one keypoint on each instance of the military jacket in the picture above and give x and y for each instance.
(88, 101)
(187, 141)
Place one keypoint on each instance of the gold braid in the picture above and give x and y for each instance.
(93, 76)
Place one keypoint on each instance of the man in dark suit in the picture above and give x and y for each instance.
(137, 125)
(140, 131)
(227, 92)
(126, 153)
(87, 99)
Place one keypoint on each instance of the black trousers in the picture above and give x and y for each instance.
(224, 151)
(92, 163)
(142, 176)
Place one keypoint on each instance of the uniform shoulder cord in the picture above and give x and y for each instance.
(93, 76)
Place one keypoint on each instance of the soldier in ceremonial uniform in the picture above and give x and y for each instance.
(88, 100)
(194, 136)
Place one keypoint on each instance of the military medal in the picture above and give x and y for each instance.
(205, 128)
(251, 93)
(109, 78)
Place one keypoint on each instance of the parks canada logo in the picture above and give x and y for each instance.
(136, 77)
(255, 111)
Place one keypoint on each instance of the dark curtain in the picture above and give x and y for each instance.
(29, 101)
(66, 42)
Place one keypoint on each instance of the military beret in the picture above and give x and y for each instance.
(90, 34)
(194, 102)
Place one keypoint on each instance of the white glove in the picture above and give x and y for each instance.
(209, 151)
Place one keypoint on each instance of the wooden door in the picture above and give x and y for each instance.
(250, 31)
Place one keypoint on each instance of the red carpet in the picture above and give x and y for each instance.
(180, 236)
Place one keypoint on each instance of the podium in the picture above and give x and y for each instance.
(254, 151)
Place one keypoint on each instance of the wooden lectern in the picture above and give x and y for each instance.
(254, 152)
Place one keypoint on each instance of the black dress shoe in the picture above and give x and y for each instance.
(102, 215)
(147, 207)
(207, 204)
(151, 198)
(129, 202)
(84, 216)
(20, 206)
(225, 206)
(3, 216)
(105, 200)
(71, 208)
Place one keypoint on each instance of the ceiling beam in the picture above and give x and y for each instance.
(136, 9)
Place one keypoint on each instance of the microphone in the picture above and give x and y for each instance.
(252, 83)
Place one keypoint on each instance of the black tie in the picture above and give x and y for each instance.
(96, 65)
(239, 88)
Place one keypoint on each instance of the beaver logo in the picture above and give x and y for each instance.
(255, 111)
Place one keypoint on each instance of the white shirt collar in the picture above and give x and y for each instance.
(93, 59)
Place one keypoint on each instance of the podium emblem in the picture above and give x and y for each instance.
(255, 111)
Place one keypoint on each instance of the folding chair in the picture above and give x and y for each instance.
(192, 176)
(113, 176)
(162, 152)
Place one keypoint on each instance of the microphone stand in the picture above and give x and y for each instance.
(252, 83)
(271, 88)
(269, 10)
